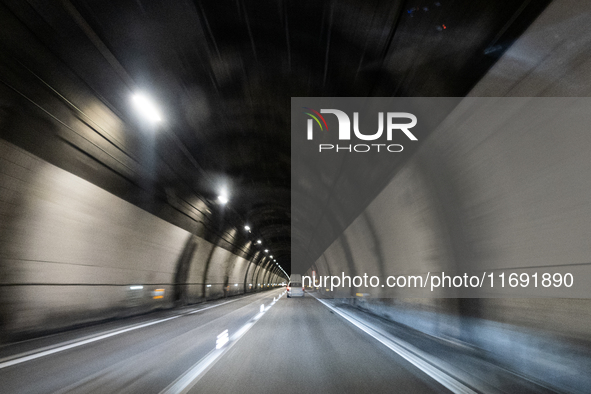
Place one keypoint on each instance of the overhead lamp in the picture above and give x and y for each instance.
(259, 242)
(266, 250)
(146, 107)
(247, 227)
(223, 199)
(271, 256)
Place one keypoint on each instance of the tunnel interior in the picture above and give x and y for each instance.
(106, 212)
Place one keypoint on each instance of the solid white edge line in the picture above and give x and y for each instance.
(38, 353)
(443, 378)
(76, 344)
(187, 380)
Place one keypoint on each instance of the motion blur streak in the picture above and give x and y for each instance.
(23, 359)
(417, 360)
(146, 359)
(184, 383)
(20, 358)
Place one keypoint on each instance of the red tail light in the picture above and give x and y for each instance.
(287, 288)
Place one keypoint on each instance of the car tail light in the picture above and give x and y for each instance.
(287, 288)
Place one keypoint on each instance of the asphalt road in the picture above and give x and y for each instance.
(300, 346)
(296, 345)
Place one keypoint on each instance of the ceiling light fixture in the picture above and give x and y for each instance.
(223, 199)
(144, 105)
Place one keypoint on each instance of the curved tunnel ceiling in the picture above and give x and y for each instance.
(222, 73)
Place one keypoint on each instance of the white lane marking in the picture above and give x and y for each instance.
(76, 387)
(187, 380)
(213, 306)
(222, 339)
(76, 344)
(38, 353)
(440, 376)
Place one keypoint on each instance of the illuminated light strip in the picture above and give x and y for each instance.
(414, 356)
(187, 380)
(38, 353)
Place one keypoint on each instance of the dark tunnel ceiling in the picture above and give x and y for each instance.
(223, 73)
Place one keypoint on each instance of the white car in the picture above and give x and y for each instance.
(294, 287)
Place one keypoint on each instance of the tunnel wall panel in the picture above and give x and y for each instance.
(250, 275)
(236, 272)
(487, 191)
(216, 273)
(195, 282)
(70, 252)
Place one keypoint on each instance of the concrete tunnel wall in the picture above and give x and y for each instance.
(476, 197)
(69, 252)
(481, 194)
